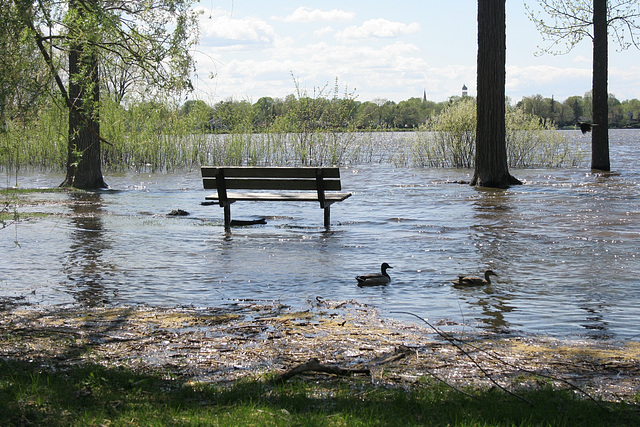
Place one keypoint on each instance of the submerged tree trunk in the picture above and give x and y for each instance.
(84, 164)
(491, 168)
(600, 130)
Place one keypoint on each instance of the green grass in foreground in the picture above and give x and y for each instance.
(94, 395)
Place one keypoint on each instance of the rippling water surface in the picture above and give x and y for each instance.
(566, 247)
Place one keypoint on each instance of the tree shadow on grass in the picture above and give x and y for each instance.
(58, 367)
(89, 394)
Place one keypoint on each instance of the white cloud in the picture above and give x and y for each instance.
(253, 54)
(624, 74)
(254, 69)
(324, 30)
(546, 80)
(305, 14)
(373, 71)
(378, 28)
(219, 28)
(544, 74)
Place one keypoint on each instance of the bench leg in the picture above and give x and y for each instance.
(227, 218)
(327, 217)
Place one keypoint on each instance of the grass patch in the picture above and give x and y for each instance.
(13, 197)
(95, 395)
(10, 191)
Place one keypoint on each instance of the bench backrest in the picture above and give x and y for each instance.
(272, 178)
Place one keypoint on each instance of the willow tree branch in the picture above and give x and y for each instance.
(65, 95)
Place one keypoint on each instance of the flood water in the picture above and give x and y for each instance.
(565, 246)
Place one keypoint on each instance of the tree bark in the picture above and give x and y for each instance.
(84, 163)
(600, 130)
(491, 168)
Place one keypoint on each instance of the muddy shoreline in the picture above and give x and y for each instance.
(254, 340)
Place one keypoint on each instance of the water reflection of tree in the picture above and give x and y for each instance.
(491, 235)
(83, 262)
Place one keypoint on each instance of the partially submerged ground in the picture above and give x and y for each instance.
(258, 341)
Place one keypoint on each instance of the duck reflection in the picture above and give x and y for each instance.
(84, 262)
(595, 321)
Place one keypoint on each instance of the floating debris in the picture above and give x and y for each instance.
(245, 222)
(178, 212)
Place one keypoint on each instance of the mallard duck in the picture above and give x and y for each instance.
(373, 279)
(474, 281)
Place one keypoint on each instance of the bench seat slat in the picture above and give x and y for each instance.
(272, 184)
(281, 197)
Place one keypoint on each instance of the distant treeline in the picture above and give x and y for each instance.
(625, 114)
(346, 113)
(317, 113)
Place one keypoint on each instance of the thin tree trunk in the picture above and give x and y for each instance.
(600, 132)
(491, 168)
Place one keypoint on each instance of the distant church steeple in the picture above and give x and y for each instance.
(464, 90)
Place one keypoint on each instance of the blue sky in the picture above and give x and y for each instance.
(381, 50)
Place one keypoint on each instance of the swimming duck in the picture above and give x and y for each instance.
(474, 281)
(373, 279)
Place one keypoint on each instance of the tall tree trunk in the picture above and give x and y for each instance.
(84, 169)
(600, 132)
(491, 168)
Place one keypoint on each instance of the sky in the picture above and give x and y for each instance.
(381, 50)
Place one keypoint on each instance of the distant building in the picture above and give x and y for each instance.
(464, 91)
(424, 96)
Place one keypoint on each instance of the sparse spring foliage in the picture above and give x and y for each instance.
(160, 136)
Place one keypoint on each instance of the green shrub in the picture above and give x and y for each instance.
(452, 141)
(448, 140)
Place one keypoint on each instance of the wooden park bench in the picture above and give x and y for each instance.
(273, 184)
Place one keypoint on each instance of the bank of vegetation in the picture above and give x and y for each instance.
(326, 128)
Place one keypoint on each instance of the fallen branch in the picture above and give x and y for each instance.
(540, 374)
(400, 353)
(315, 366)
